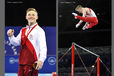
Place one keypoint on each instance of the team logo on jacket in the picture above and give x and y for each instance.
(51, 60)
(30, 37)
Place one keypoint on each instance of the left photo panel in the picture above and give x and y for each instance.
(30, 38)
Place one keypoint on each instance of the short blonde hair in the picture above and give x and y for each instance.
(78, 7)
(31, 9)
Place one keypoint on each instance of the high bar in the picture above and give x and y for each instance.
(85, 49)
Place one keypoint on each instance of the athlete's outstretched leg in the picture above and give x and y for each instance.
(84, 27)
(87, 25)
(90, 25)
(88, 19)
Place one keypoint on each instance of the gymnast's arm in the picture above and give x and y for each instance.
(16, 41)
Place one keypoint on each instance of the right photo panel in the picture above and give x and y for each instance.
(84, 37)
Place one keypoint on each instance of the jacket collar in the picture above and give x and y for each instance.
(31, 25)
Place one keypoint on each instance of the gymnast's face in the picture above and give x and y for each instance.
(31, 17)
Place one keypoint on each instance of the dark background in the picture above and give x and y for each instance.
(15, 11)
(99, 35)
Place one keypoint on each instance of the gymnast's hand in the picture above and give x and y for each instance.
(77, 25)
(39, 65)
(10, 32)
(74, 14)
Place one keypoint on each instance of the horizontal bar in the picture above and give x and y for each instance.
(85, 49)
